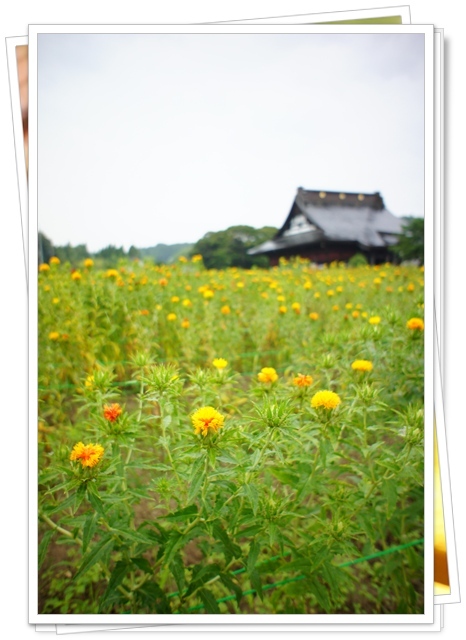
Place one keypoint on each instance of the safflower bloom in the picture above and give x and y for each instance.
(296, 307)
(171, 317)
(55, 300)
(89, 382)
(187, 303)
(282, 309)
(88, 454)
(314, 316)
(205, 419)
(88, 263)
(185, 323)
(111, 273)
(225, 310)
(220, 363)
(302, 380)
(163, 282)
(175, 299)
(325, 399)
(415, 323)
(54, 335)
(374, 320)
(355, 314)
(196, 258)
(267, 374)
(76, 275)
(144, 312)
(54, 260)
(112, 412)
(362, 365)
(44, 267)
(208, 294)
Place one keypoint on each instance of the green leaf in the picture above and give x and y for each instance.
(43, 546)
(118, 575)
(256, 583)
(232, 585)
(183, 514)
(143, 564)
(253, 495)
(209, 601)
(95, 555)
(177, 569)
(195, 482)
(89, 528)
(79, 496)
(232, 550)
(64, 504)
(166, 422)
(254, 550)
(134, 536)
(94, 498)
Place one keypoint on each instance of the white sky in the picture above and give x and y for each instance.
(161, 138)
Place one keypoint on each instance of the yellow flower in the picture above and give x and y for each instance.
(175, 299)
(348, 305)
(183, 259)
(364, 314)
(111, 273)
(410, 287)
(314, 316)
(317, 294)
(89, 382)
(185, 323)
(355, 314)
(88, 263)
(296, 307)
(281, 298)
(325, 399)
(362, 365)
(171, 317)
(267, 374)
(220, 363)
(415, 324)
(205, 419)
(225, 310)
(282, 309)
(76, 275)
(55, 300)
(88, 454)
(339, 289)
(187, 303)
(389, 289)
(44, 267)
(335, 307)
(302, 380)
(208, 294)
(54, 335)
(377, 280)
(196, 258)
(374, 320)
(308, 284)
(163, 282)
(330, 292)
(54, 260)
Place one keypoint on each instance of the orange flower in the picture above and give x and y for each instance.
(302, 380)
(88, 454)
(112, 412)
(415, 324)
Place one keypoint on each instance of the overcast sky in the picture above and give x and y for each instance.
(161, 138)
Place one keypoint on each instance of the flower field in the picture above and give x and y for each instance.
(231, 441)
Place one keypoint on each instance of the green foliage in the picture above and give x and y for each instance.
(411, 243)
(169, 521)
(358, 260)
(228, 248)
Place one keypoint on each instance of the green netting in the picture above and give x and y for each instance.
(281, 583)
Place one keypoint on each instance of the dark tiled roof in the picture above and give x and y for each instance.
(337, 217)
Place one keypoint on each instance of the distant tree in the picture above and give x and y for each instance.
(73, 255)
(411, 243)
(45, 249)
(111, 253)
(228, 248)
(133, 253)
